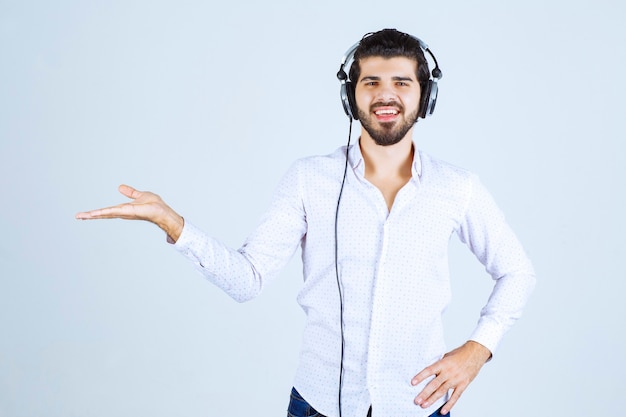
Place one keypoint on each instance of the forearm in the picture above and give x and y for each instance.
(228, 269)
(504, 307)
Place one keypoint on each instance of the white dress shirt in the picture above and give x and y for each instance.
(393, 267)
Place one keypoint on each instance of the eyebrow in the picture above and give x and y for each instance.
(396, 78)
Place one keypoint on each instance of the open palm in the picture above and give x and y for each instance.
(144, 206)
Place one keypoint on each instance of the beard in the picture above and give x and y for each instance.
(387, 133)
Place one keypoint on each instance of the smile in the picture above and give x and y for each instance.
(386, 112)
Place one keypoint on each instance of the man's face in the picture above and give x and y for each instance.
(387, 98)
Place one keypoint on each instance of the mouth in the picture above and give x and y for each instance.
(386, 113)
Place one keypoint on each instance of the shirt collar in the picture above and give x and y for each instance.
(358, 165)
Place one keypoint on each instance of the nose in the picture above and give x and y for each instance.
(386, 92)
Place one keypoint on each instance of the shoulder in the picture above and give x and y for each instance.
(438, 173)
(313, 174)
(456, 187)
(317, 166)
(458, 184)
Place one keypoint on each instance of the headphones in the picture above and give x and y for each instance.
(428, 97)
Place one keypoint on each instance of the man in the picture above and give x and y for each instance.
(373, 221)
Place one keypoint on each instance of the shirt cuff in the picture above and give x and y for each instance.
(489, 334)
(189, 237)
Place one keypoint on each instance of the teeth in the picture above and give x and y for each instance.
(386, 111)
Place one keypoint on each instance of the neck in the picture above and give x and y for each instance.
(387, 161)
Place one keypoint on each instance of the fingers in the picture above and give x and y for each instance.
(435, 389)
(82, 216)
(426, 373)
(455, 371)
(456, 394)
(103, 213)
(118, 211)
(89, 215)
(129, 191)
(144, 206)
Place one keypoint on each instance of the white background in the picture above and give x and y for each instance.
(208, 103)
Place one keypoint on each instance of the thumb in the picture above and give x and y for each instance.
(129, 191)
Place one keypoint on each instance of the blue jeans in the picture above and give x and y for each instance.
(298, 407)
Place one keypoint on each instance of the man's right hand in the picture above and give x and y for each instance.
(145, 206)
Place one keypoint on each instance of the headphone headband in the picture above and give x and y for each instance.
(428, 97)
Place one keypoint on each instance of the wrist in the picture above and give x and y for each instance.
(481, 352)
(176, 227)
(172, 224)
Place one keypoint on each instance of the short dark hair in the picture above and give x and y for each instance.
(390, 43)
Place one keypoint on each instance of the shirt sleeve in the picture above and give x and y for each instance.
(242, 273)
(487, 234)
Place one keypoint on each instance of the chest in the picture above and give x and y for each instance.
(389, 187)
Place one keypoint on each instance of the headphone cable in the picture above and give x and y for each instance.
(345, 170)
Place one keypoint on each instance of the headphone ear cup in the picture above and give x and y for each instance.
(432, 100)
(346, 93)
(424, 99)
(428, 99)
(351, 95)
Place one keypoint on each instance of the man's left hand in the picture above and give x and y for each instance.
(454, 372)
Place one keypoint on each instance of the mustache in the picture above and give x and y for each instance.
(391, 103)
